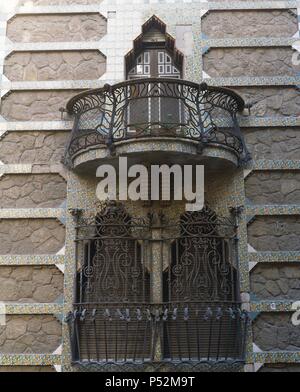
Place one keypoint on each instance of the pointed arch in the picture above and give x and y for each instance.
(154, 35)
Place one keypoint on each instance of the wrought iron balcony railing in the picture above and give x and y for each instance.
(152, 108)
(185, 334)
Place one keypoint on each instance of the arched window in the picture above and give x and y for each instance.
(204, 265)
(111, 285)
(202, 274)
(113, 270)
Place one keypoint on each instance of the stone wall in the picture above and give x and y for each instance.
(276, 281)
(249, 62)
(274, 233)
(35, 105)
(31, 236)
(257, 23)
(60, 2)
(276, 187)
(30, 334)
(33, 284)
(275, 331)
(28, 191)
(33, 147)
(272, 101)
(273, 143)
(26, 369)
(56, 28)
(56, 65)
(280, 367)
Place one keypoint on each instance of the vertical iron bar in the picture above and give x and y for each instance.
(77, 338)
(209, 339)
(88, 275)
(136, 340)
(198, 339)
(188, 338)
(232, 268)
(126, 341)
(105, 340)
(237, 335)
(143, 261)
(169, 340)
(178, 338)
(245, 330)
(231, 329)
(169, 272)
(87, 339)
(136, 277)
(96, 339)
(177, 263)
(154, 336)
(116, 342)
(127, 255)
(219, 337)
(145, 339)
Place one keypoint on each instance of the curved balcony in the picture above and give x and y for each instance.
(162, 115)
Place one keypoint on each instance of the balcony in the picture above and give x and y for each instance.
(170, 336)
(155, 117)
(156, 293)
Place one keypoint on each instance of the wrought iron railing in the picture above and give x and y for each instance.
(175, 332)
(156, 108)
(151, 289)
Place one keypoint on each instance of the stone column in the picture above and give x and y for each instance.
(156, 263)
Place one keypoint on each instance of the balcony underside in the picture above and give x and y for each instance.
(165, 150)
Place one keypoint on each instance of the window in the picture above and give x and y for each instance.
(152, 290)
(161, 111)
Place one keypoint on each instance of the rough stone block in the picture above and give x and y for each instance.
(35, 105)
(235, 62)
(249, 23)
(32, 190)
(18, 337)
(56, 28)
(275, 331)
(276, 281)
(31, 236)
(275, 233)
(273, 143)
(274, 187)
(275, 101)
(33, 147)
(56, 65)
(30, 284)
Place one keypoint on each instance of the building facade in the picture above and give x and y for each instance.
(146, 285)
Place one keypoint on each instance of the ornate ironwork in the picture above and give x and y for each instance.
(179, 331)
(204, 260)
(198, 317)
(156, 107)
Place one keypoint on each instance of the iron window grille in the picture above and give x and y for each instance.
(152, 291)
